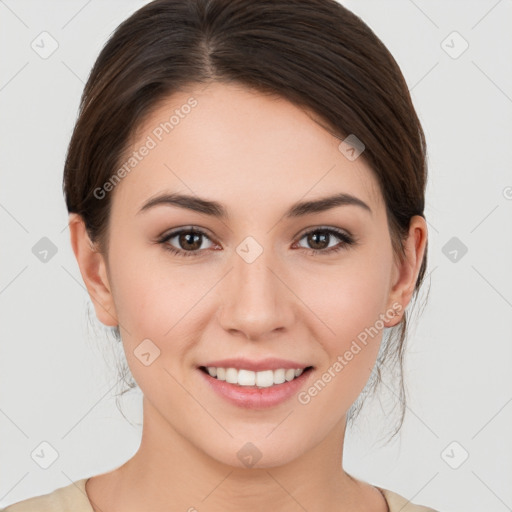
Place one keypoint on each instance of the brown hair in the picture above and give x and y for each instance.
(314, 53)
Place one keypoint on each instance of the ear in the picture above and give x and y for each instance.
(406, 272)
(93, 268)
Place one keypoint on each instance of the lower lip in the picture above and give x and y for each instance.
(257, 398)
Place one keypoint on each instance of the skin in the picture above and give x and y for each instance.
(257, 155)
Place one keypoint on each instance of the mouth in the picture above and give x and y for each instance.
(255, 379)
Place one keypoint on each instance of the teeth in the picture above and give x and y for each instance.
(289, 375)
(263, 379)
(245, 378)
(279, 376)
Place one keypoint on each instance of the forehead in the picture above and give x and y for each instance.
(229, 142)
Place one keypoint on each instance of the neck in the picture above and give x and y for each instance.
(176, 475)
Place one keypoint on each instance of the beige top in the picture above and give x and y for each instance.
(74, 498)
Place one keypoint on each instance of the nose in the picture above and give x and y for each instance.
(255, 301)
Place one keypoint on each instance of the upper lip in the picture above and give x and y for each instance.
(270, 363)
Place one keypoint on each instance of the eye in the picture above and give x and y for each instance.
(321, 238)
(189, 241)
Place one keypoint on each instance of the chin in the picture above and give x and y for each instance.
(256, 451)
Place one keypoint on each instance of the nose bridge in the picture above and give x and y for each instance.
(254, 301)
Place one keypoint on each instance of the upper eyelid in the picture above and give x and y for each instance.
(186, 229)
(332, 229)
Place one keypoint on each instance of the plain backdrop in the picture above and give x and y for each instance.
(57, 379)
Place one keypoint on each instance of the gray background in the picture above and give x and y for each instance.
(57, 374)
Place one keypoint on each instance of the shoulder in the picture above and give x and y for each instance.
(397, 503)
(71, 497)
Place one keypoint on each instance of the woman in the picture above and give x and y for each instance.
(245, 184)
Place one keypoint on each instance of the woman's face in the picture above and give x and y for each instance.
(249, 286)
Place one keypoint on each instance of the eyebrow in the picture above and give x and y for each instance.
(216, 209)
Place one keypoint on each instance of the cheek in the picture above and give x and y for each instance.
(352, 295)
(158, 328)
(150, 295)
(350, 306)
(349, 299)
(162, 303)
(155, 306)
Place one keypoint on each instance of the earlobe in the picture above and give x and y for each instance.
(93, 268)
(408, 270)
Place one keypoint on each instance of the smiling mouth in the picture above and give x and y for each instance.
(252, 379)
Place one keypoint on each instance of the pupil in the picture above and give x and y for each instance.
(187, 237)
(313, 239)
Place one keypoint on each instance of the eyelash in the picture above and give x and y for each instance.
(346, 241)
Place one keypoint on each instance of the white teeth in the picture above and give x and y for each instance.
(231, 375)
(263, 379)
(279, 376)
(246, 378)
(289, 374)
